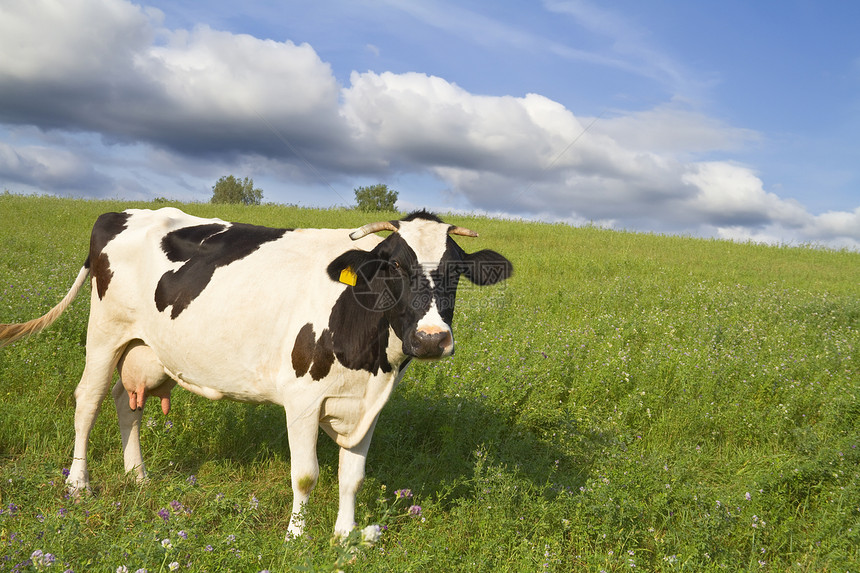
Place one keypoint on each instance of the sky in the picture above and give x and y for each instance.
(728, 119)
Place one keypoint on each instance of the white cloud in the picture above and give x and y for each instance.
(227, 77)
(531, 155)
(416, 119)
(732, 193)
(835, 228)
(71, 42)
(184, 103)
(105, 66)
(47, 168)
(673, 128)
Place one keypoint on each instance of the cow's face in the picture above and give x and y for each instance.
(411, 278)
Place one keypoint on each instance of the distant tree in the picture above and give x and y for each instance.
(375, 198)
(228, 189)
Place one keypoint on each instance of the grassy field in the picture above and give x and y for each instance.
(625, 402)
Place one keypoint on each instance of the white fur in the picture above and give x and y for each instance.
(429, 240)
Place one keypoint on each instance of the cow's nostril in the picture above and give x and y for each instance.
(433, 344)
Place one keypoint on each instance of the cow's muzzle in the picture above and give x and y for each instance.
(429, 342)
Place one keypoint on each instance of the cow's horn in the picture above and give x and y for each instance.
(454, 230)
(372, 228)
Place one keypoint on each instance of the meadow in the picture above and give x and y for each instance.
(625, 402)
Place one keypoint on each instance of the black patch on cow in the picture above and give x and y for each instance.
(358, 322)
(422, 214)
(391, 292)
(323, 356)
(482, 268)
(204, 248)
(105, 229)
(359, 335)
(312, 355)
(183, 244)
(303, 350)
(100, 269)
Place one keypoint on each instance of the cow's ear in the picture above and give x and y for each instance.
(347, 266)
(486, 267)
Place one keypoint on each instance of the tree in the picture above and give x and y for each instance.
(228, 189)
(375, 198)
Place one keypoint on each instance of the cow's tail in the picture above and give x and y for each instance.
(11, 332)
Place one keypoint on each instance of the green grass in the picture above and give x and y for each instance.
(625, 399)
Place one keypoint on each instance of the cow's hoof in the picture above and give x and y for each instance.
(76, 491)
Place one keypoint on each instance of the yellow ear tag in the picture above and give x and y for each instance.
(348, 277)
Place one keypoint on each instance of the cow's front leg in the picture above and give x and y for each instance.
(302, 433)
(350, 477)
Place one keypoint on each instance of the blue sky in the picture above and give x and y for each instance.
(729, 119)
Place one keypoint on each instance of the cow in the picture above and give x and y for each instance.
(320, 321)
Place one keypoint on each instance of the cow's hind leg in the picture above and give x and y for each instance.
(350, 477)
(129, 428)
(91, 391)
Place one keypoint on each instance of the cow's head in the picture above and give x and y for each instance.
(411, 277)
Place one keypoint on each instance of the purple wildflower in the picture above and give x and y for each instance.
(41, 560)
(164, 514)
(414, 510)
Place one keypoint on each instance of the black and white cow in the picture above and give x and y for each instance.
(320, 321)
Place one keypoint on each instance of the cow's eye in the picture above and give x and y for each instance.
(396, 264)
